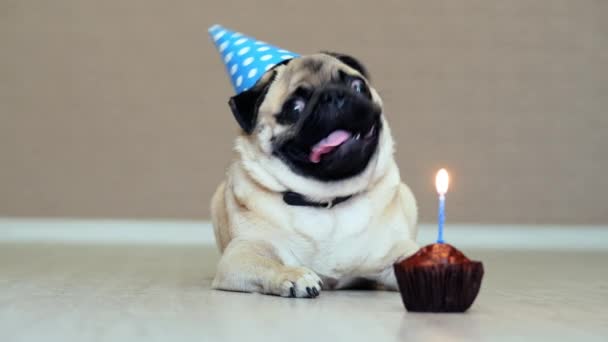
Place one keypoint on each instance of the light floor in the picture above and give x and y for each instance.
(147, 292)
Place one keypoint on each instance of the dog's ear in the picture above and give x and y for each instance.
(350, 61)
(244, 109)
(245, 105)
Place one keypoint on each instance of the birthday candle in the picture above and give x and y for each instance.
(442, 181)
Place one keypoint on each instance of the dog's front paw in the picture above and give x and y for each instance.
(297, 282)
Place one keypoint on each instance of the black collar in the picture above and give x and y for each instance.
(294, 198)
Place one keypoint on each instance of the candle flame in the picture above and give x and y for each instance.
(442, 180)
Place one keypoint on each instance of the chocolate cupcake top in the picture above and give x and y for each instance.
(436, 254)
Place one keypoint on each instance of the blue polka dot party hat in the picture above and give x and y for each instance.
(246, 58)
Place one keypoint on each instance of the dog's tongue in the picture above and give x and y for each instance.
(328, 144)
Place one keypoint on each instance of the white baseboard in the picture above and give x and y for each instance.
(74, 231)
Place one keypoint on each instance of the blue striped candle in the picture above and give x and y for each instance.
(441, 218)
(442, 181)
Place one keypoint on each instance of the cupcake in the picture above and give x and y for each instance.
(438, 278)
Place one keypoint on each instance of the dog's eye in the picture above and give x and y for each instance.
(358, 86)
(291, 111)
(298, 105)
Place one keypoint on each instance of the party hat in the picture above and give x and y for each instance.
(246, 58)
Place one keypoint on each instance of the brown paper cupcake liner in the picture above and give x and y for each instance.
(439, 288)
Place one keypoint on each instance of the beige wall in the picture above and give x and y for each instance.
(118, 108)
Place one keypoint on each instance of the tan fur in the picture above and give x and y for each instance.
(270, 247)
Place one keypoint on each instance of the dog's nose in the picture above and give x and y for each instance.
(336, 97)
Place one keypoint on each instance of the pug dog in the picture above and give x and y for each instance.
(313, 199)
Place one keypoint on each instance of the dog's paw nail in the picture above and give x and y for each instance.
(297, 282)
(320, 284)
